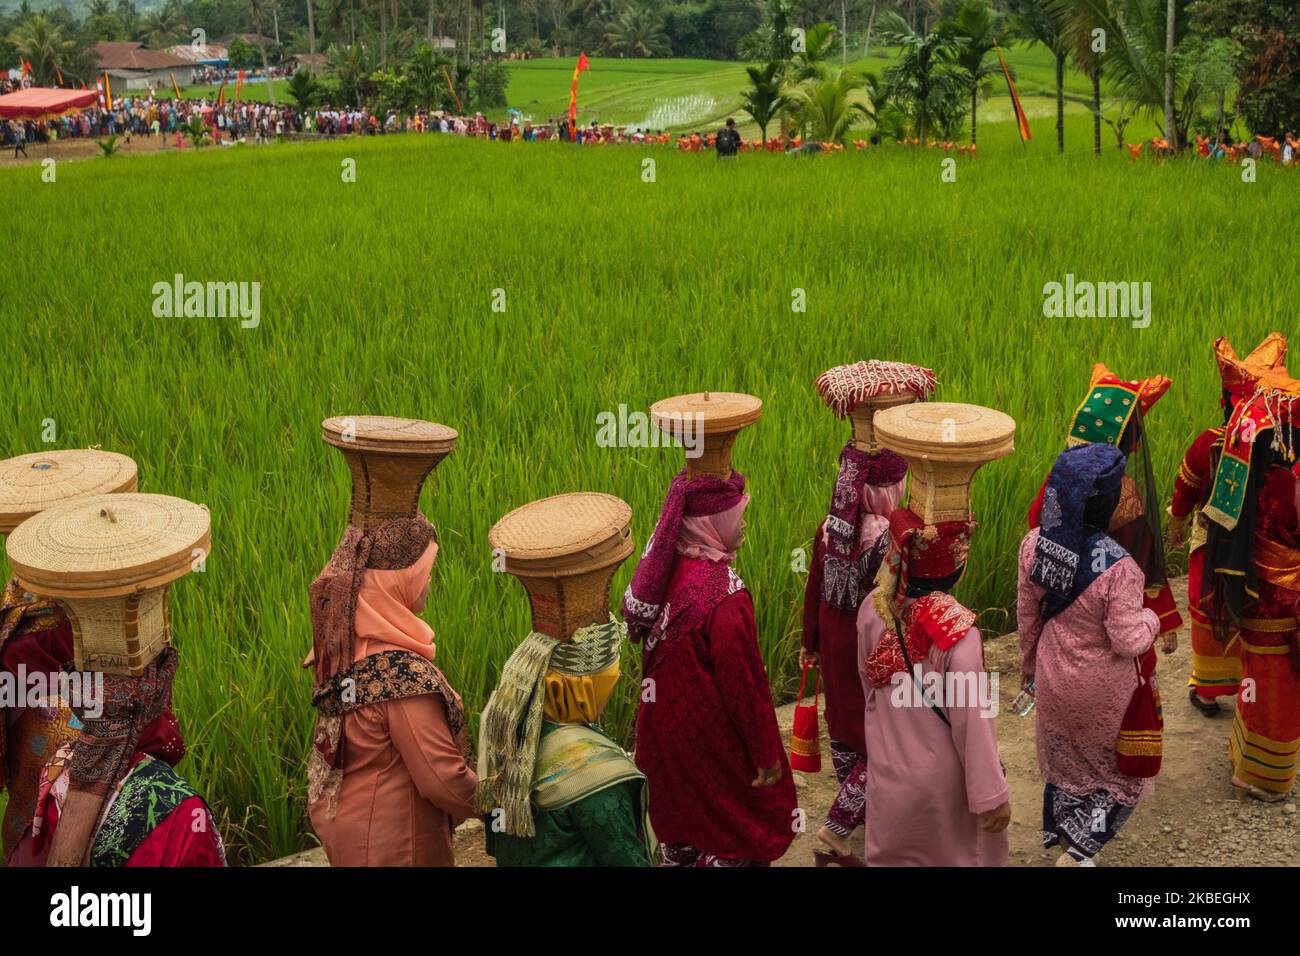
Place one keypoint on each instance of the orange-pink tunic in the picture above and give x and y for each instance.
(405, 791)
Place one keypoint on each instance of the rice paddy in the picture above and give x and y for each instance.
(377, 296)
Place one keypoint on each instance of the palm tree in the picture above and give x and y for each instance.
(1139, 65)
(764, 100)
(831, 104)
(1038, 22)
(304, 89)
(973, 30)
(100, 8)
(1171, 20)
(637, 31)
(42, 44)
(164, 26)
(1081, 18)
(256, 10)
(925, 75)
(810, 62)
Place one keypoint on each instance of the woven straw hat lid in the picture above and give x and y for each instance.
(393, 436)
(946, 432)
(722, 411)
(31, 483)
(108, 545)
(567, 534)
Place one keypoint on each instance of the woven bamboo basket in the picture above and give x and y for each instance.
(31, 483)
(389, 459)
(108, 561)
(712, 418)
(565, 551)
(944, 443)
(863, 417)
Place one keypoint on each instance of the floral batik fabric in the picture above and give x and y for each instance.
(1086, 823)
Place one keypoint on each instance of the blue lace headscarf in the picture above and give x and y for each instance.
(1082, 492)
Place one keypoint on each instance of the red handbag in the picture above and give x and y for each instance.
(1140, 746)
(805, 738)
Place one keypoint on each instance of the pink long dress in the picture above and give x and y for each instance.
(1082, 662)
(927, 783)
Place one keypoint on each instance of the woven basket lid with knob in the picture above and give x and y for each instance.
(107, 559)
(389, 459)
(565, 549)
(711, 419)
(944, 444)
(859, 390)
(29, 484)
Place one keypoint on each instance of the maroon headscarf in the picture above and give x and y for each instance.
(843, 565)
(704, 495)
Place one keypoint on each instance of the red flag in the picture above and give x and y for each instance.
(27, 67)
(573, 93)
(1021, 120)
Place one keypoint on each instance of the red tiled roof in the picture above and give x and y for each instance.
(130, 55)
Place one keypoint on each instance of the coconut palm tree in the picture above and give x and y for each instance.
(764, 100)
(256, 11)
(1081, 18)
(818, 47)
(304, 89)
(42, 44)
(164, 26)
(830, 105)
(972, 28)
(1139, 64)
(925, 77)
(637, 31)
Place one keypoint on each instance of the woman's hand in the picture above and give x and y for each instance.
(808, 658)
(1169, 642)
(997, 819)
(310, 660)
(768, 777)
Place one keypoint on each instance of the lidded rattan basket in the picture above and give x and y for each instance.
(565, 551)
(944, 443)
(31, 483)
(108, 561)
(709, 420)
(389, 459)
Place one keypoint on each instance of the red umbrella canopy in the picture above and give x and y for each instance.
(39, 102)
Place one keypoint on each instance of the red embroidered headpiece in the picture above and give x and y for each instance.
(919, 550)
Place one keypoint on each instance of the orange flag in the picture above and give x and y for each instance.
(239, 85)
(108, 94)
(573, 93)
(221, 93)
(1021, 120)
(175, 86)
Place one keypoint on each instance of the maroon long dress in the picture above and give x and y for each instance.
(707, 725)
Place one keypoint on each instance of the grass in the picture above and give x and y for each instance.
(376, 298)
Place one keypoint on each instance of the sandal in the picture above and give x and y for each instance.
(1208, 707)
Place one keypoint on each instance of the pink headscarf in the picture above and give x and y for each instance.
(714, 537)
(387, 607)
(878, 502)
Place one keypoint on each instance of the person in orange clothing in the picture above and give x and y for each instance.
(1251, 577)
(388, 779)
(1216, 665)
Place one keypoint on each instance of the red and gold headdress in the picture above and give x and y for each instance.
(1241, 376)
(1109, 404)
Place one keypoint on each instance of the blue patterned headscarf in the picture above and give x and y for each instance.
(1080, 474)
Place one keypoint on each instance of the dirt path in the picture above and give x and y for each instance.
(1194, 818)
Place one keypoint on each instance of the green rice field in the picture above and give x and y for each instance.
(377, 295)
